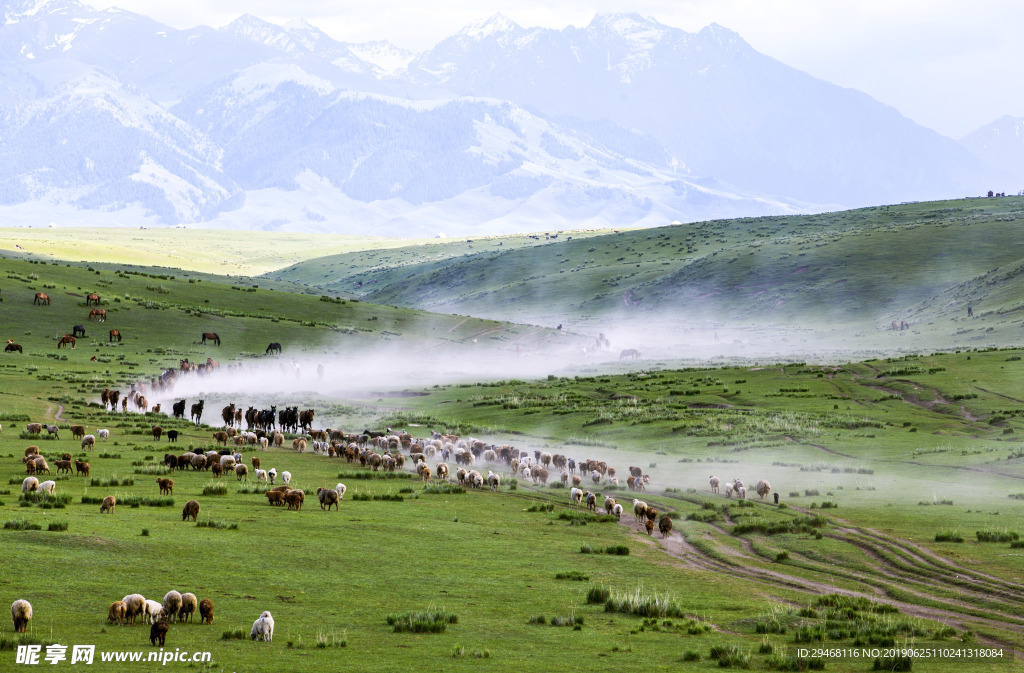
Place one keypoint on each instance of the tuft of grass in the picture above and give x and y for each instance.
(575, 575)
(215, 489)
(210, 523)
(948, 536)
(996, 536)
(325, 640)
(237, 634)
(428, 621)
(781, 662)
(643, 604)
(21, 524)
(598, 594)
(893, 664)
(57, 526)
(730, 656)
(442, 489)
(391, 497)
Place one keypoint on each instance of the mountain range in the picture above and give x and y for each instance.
(111, 117)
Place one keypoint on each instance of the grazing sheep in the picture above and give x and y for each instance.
(649, 525)
(617, 511)
(263, 628)
(665, 526)
(216, 470)
(189, 602)
(715, 483)
(166, 486)
(172, 603)
(763, 488)
(89, 442)
(31, 451)
(104, 434)
(115, 613)
(206, 611)
(34, 428)
(47, 487)
(41, 465)
(340, 488)
(242, 470)
(158, 634)
(62, 466)
(736, 483)
(190, 510)
(493, 480)
(108, 504)
(294, 499)
(639, 509)
(576, 496)
(286, 477)
(227, 462)
(152, 612)
(275, 497)
(199, 462)
(21, 613)
(135, 605)
(328, 497)
(29, 484)
(272, 474)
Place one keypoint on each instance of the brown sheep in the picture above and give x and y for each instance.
(66, 456)
(77, 431)
(576, 480)
(82, 468)
(34, 428)
(217, 470)
(255, 463)
(108, 504)
(206, 611)
(158, 633)
(294, 499)
(275, 497)
(665, 526)
(284, 488)
(63, 466)
(31, 450)
(190, 511)
(166, 486)
(221, 437)
(157, 433)
(649, 525)
(652, 513)
(30, 467)
(328, 497)
(116, 612)
(41, 465)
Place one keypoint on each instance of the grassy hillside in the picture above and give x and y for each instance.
(862, 268)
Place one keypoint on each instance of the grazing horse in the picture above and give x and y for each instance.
(78, 331)
(92, 299)
(115, 334)
(629, 353)
(273, 348)
(65, 340)
(197, 411)
(212, 336)
(12, 347)
(42, 299)
(99, 313)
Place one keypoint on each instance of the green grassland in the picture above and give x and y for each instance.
(872, 458)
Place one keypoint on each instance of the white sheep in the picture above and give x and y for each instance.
(742, 492)
(29, 484)
(272, 473)
(227, 462)
(263, 628)
(134, 605)
(527, 473)
(493, 480)
(152, 611)
(728, 489)
(639, 509)
(21, 613)
(475, 479)
(172, 603)
(286, 477)
(609, 502)
(340, 488)
(89, 441)
(617, 511)
(264, 443)
(47, 487)
(715, 483)
(763, 488)
(261, 475)
(576, 496)
(103, 434)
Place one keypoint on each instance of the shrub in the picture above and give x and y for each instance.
(996, 536)
(730, 656)
(324, 640)
(948, 537)
(572, 575)
(893, 664)
(643, 605)
(430, 621)
(237, 634)
(21, 524)
(598, 594)
(215, 489)
(442, 489)
(57, 526)
(781, 662)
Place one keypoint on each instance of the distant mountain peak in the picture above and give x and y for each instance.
(497, 24)
(625, 24)
(15, 10)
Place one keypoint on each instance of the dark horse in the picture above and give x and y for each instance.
(12, 347)
(78, 331)
(197, 411)
(178, 409)
(115, 334)
(274, 348)
(212, 336)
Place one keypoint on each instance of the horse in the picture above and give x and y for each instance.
(42, 299)
(99, 313)
(92, 299)
(178, 409)
(306, 419)
(629, 353)
(112, 398)
(142, 403)
(211, 336)
(228, 414)
(65, 340)
(115, 334)
(273, 348)
(12, 347)
(197, 411)
(78, 331)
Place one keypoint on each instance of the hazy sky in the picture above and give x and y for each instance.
(946, 64)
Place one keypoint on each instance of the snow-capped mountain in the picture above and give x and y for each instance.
(1000, 145)
(498, 128)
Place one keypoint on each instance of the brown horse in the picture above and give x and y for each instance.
(65, 340)
(112, 397)
(92, 299)
(115, 334)
(12, 347)
(212, 336)
(42, 299)
(99, 313)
